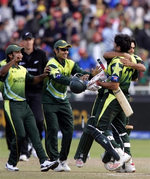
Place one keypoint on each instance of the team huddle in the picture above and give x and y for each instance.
(108, 123)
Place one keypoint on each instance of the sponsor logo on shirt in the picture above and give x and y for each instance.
(32, 69)
(35, 62)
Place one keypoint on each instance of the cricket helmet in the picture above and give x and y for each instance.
(77, 85)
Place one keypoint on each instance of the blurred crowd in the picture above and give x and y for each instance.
(89, 25)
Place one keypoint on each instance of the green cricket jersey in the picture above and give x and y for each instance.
(55, 89)
(122, 73)
(14, 83)
(2, 63)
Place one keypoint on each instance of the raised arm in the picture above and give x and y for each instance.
(127, 60)
(4, 70)
(39, 78)
(111, 55)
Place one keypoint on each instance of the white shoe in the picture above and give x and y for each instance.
(11, 167)
(79, 163)
(130, 166)
(23, 158)
(114, 165)
(59, 168)
(48, 165)
(65, 166)
(33, 152)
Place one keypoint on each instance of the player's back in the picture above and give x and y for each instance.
(123, 73)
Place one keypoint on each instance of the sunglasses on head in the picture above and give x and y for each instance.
(64, 49)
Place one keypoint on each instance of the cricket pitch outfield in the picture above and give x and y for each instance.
(93, 169)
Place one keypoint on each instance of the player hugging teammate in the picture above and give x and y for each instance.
(107, 115)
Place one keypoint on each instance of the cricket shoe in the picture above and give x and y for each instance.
(59, 168)
(128, 167)
(79, 163)
(65, 166)
(11, 167)
(45, 166)
(113, 165)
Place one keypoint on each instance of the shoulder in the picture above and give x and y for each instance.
(69, 61)
(116, 60)
(53, 63)
(51, 60)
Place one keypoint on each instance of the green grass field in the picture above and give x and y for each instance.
(93, 169)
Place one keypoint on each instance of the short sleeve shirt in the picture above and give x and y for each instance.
(14, 83)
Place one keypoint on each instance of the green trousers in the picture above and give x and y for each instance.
(58, 117)
(112, 113)
(86, 139)
(21, 121)
(106, 111)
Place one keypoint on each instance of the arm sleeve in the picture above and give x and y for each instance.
(63, 80)
(116, 70)
(57, 76)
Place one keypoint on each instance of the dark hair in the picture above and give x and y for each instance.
(133, 40)
(8, 58)
(123, 41)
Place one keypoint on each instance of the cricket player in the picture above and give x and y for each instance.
(83, 147)
(57, 109)
(8, 133)
(20, 116)
(139, 66)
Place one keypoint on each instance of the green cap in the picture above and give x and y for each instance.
(61, 44)
(12, 48)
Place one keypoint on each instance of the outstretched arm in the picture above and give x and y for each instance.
(39, 78)
(127, 60)
(111, 55)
